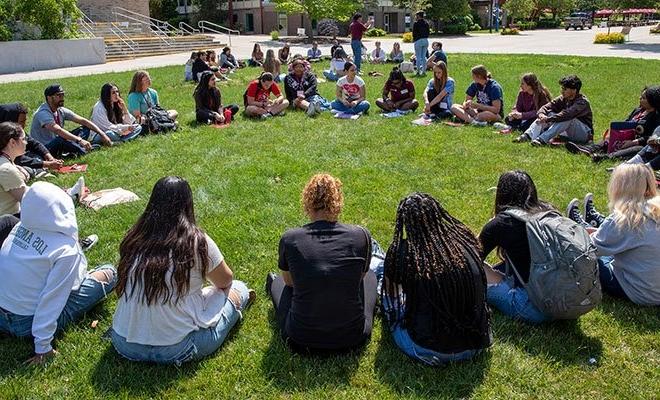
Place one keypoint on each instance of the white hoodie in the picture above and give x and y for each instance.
(42, 261)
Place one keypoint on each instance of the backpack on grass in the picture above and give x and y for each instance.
(563, 275)
(158, 120)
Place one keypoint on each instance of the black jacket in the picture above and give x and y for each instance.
(421, 30)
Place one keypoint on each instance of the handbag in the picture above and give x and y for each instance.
(618, 133)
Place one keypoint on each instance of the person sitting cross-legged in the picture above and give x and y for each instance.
(439, 93)
(314, 54)
(48, 127)
(568, 116)
(433, 292)
(531, 97)
(351, 92)
(111, 115)
(484, 100)
(398, 93)
(378, 55)
(301, 90)
(325, 295)
(208, 101)
(257, 98)
(165, 313)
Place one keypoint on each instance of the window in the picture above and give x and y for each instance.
(249, 22)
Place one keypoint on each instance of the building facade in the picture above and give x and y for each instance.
(101, 10)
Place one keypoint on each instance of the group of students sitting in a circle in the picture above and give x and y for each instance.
(433, 284)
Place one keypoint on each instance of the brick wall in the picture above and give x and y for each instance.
(101, 10)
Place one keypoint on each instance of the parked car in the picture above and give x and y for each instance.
(578, 20)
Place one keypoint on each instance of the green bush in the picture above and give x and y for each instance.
(475, 27)
(609, 38)
(509, 31)
(526, 26)
(375, 32)
(548, 24)
(407, 37)
(455, 29)
(274, 35)
(655, 29)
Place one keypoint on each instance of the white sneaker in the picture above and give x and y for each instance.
(266, 116)
(501, 126)
(77, 190)
(476, 122)
(88, 242)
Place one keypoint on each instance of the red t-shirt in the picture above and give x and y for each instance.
(357, 29)
(261, 94)
(407, 90)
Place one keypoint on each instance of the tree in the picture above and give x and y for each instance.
(163, 10)
(53, 17)
(445, 10)
(519, 8)
(414, 5)
(340, 10)
(210, 10)
(6, 16)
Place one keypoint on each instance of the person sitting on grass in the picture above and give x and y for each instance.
(398, 93)
(484, 101)
(165, 314)
(314, 54)
(13, 179)
(202, 64)
(45, 284)
(187, 71)
(531, 97)
(227, 60)
(568, 115)
(257, 98)
(433, 285)
(36, 157)
(437, 55)
(306, 64)
(628, 240)
(301, 90)
(208, 101)
(649, 154)
(273, 66)
(351, 92)
(284, 54)
(396, 55)
(141, 97)
(111, 115)
(515, 189)
(48, 127)
(335, 45)
(257, 59)
(439, 93)
(325, 295)
(644, 119)
(337, 63)
(378, 55)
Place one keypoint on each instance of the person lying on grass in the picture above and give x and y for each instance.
(351, 92)
(439, 93)
(165, 313)
(484, 100)
(208, 101)
(628, 240)
(257, 98)
(325, 295)
(45, 284)
(398, 93)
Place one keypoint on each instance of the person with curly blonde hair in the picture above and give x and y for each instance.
(628, 240)
(325, 296)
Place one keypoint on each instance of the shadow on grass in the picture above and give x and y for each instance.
(294, 372)
(409, 377)
(632, 316)
(560, 341)
(13, 353)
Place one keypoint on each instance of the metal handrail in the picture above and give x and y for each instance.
(156, 29)
(86, 23)
(185, 28)
(149, 20)
(228, 32)
(118, 32)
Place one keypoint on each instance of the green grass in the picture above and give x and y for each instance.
(247, 181)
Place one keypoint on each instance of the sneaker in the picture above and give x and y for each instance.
(266, 116)
(88, 242)
(591, 215)
(311, 110)
(522, 138)
(577, 149)
(537, 143)
(598, 157)
(252, 295)
(317, 105)
(476, 122)
(573, 213)
(501, 126)
(76, 191)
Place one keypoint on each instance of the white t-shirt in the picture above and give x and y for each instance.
(100, 118)
(350, 90)
(337, 65)
(378, 54)
(166, 324)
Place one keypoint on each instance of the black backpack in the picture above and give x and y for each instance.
(158, 120)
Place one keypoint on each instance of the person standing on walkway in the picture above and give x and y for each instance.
(357, 29)
(421, 31)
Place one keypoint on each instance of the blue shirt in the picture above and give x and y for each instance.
(447, 102)
(439, 55)
(311, 53)
(142, 101)
(44, 116)
(487, 94)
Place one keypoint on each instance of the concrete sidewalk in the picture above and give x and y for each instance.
(642, 45)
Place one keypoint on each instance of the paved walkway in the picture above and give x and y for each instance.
(641, 44)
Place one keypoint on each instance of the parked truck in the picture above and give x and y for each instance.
(578, 20)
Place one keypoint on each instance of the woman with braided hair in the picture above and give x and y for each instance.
(433, 285)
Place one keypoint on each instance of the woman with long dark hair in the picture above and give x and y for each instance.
(257, 59)
(433, 286)
(111, 115)
(257, 99)
(515, 190)
(208, 101)
(164, 313)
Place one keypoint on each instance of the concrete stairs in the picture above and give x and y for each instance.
(145, 46)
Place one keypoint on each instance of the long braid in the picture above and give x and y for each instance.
(429, 245)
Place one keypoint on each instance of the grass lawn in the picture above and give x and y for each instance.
(247, 181)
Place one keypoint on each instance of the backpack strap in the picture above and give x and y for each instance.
(508, 266)
(522, 216)
(518, 214)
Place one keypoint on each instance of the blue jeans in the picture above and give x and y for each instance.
(400, 335)
(514, 302)
(574, 130)
(325, 104)
(197, 345)
(58, 146)
(608, 281)
(356, 46)
(90, 293)
(361, 107)
(331, 76)
(118, 138)
(421, 47)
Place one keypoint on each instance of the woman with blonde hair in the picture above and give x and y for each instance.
(396, 55)
(531, 97)
(325, 297)
(628, 240)
(272, 65)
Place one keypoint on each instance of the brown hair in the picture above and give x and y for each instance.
(323, 193)
(439, 84)
(136, 83)
(481, 72)
(542, 95)
(9, 131)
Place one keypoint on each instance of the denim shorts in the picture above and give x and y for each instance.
(514, 302)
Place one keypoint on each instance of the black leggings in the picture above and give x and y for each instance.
(204, 116)
(518, 124)
(7, 223)
(282, 295)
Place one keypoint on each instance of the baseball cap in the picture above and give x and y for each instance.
(53, 89)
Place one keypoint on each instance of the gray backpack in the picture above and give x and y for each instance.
(563, 275)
